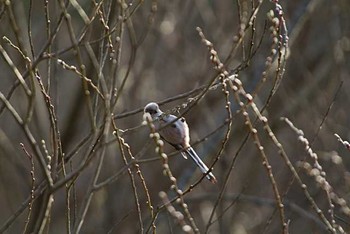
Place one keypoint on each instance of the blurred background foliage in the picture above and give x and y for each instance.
(135, 52)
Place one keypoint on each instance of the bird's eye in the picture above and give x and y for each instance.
(150, 111)
(182, 119)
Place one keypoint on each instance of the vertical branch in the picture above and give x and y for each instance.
(89, 193)
(30, 28)
(32, 196)
(132, 179)
(116, 59)
(104, 140)
(139, 173)
(265, 162)
(47, 210)
(30, 138)
(238, 89)
(134, 46)
(280, 26)
(238, 39)
(223, 79)
(15, 27)
(81, 68)
(21, 48)
(56, 136)
(283, 44)
(49, 48)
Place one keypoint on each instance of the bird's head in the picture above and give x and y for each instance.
(153, 109)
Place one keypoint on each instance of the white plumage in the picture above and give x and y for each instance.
(177, 134)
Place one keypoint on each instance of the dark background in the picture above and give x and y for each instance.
(137, 52)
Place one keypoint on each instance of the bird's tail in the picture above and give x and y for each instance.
(204, 169)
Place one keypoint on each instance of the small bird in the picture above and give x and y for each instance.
(176, 133)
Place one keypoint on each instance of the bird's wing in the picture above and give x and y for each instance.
(174, 132)
(177, 147)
